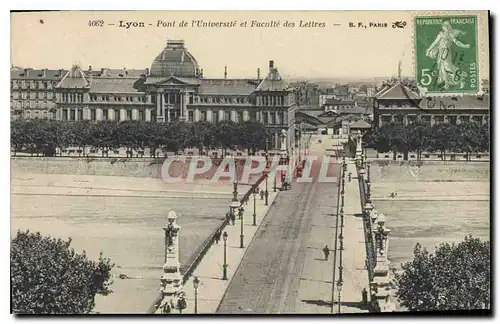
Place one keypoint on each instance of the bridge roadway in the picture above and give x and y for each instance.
(283, 270)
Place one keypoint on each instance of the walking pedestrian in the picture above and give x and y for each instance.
(217, 236)
(350, 175)
(364, 295)
(326, 251)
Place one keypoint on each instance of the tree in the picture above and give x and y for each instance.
(224, 135)
(418, 137)
(470, 138)
(18, 138)
(456, 277)
(48, 277)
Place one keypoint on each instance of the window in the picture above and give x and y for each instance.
(439, 119)
(239, 117)
(253, 115)
(92, 114)
(129, 114)
(452, 120)
(203, 115)
(215, 116)
(227, 115)
(72, 114)
(117, 114)
(283, 118)
(105, 114)
(142, 115)
(477, 119)
(265, 116)
(64, 114)
(191, 116)
(80, 114)
(273, 117)
(426, 119)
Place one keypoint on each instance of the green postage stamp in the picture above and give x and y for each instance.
(446, 58)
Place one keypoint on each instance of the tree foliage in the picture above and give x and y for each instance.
(48, 277)
(40, 136)
(467, 137)
(455, 277)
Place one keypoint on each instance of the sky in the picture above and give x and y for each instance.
(61, 39)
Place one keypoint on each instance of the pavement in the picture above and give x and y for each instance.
(284, 270)
(354, 274)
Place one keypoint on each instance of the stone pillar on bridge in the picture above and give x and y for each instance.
(171, 281)
(381, 282)
(359, 148)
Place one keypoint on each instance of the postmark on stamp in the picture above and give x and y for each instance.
(446, 58)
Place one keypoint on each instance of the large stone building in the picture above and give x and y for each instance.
(174, 88)
(398, 103)
(32, 92)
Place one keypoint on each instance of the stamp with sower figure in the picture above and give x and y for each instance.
(446, 58)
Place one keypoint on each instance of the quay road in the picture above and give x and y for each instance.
(284, 270)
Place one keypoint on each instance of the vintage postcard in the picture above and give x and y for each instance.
(250, 162)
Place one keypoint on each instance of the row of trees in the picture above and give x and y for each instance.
(39, 136)
(420, 137)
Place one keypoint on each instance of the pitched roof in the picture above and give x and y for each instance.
(397, 91)
(113, 85)
(226, 87)
(171, 79)
(74, 78)
(273, 82)
(116, 73)
(39, 74)
(360, 124)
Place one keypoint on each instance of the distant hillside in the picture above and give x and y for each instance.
(332, 81)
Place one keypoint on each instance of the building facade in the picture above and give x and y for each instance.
(32, 92)
(398, 103)
(173, 89)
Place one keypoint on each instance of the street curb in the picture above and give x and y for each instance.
(246, 250)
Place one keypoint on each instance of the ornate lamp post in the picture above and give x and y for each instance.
(224, 265)
(266, 193)
(171, 281)
(256, 190)
(196, 283)
(339, 291)
(240, 214)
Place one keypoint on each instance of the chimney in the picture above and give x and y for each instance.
(26, 72)
(125, 72)
(271, 65)
(90, 68)
(201, 73)
(60, 72)
(102, 71)
(44, 73)
(147, 71)
(225, 72)
(258, 73)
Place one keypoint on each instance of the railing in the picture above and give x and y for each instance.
(200, 254)
(367, 226)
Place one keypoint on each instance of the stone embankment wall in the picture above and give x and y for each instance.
(124, 167)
